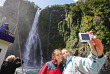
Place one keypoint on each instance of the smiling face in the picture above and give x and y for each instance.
(57, 55)
(65, 53)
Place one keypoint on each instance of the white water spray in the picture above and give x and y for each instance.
(33, 42)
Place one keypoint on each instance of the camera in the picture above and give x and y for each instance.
(85, 37)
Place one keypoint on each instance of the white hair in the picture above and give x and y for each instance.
(10, 58)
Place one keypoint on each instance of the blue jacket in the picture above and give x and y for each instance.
(4, 27)
(79, 65)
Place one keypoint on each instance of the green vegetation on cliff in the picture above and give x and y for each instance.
(93, 16)
(68, 20)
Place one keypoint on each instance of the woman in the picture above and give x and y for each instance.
(65, 53)
(90, 65)
(54, 66)
(9, 66)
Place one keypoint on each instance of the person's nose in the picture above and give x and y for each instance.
(66, 53)
(60, 56)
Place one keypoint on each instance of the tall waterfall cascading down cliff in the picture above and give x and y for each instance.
(32, 54)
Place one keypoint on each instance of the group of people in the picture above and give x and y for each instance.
(74, 64)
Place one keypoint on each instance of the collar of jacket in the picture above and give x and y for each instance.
(54, 62)
(69, 58)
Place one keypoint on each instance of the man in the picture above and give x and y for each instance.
(7, 28)
(89, 65)
(4, 28)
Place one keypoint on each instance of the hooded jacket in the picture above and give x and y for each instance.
(51, 67)
(79, 65)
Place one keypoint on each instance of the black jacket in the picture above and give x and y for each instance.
(10, 67)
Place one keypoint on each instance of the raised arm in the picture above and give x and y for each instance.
(94, 62)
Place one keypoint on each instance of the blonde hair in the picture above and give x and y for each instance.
(54, 52)
(65, 49)
(10, 58)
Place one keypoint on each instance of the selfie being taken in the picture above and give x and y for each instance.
(55, 36)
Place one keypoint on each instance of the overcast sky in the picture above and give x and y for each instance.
(44, 3)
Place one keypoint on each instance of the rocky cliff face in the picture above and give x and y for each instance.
(48, 23)
(24, 19)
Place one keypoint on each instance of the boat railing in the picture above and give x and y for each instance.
(10, 33)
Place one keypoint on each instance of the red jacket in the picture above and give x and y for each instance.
(51, 68)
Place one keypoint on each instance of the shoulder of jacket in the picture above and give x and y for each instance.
(49, 63)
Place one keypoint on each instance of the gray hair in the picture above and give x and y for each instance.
(10, 58)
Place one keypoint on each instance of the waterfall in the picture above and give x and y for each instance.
(32, 55)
